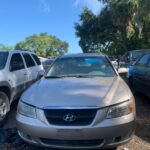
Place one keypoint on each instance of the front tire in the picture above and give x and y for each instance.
(4, 108)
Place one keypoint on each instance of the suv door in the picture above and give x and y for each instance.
(30, 68)
(18, 74)
(39, 67)
(139, 70)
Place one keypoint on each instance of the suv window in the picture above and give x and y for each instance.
(3, 59)
(36, 59)
(16, 62)
(143, 61)
(28, 59)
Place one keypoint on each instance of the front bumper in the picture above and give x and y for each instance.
(105, 134)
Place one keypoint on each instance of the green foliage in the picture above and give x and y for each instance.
(121, 25)
(43, 45)
(5, 47)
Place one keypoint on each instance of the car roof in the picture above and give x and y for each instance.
(82, 55)
(16, 51)
(141, 50)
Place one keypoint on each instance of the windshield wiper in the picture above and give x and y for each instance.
(52, 77)
(71, 76)
(81, 76)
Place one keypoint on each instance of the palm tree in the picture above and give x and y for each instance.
(142, 14)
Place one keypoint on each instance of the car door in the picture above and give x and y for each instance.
(39, 67)
(147, 78)
(139, 73)
(18, 74)
(30, 68)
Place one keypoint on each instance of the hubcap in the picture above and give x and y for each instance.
(3, 109)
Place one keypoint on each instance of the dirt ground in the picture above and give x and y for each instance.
(9, 139)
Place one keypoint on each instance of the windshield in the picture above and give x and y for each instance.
(136, 55)
(3, 59)
(81, 67)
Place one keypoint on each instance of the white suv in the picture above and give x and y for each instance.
(18, 70)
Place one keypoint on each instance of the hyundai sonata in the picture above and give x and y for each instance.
(81, 103)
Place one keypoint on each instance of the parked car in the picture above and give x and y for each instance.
(114, 61)
(82, 102)
(18, 70)
(131, 57)
(47, 63)
(139, 75)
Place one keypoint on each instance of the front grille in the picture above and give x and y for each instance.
(82, 116)
(72, 143)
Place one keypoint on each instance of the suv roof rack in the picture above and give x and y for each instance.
(23, 50)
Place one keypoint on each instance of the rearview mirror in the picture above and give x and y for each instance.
(122, 70)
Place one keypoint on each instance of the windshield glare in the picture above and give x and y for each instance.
(3, 59)
(82, 66)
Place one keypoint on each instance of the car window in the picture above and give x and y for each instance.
(16, 62)
(36, 59)
(28, 59)
(143, 61)
(81, 66)
(3, 59)
(136, 55)
(149, 62)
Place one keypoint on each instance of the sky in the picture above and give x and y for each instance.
(22, 18)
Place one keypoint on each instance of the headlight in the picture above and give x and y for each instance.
(121, 109)
(26, 110)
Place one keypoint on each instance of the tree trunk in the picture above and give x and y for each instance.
(145, 34)
(124, 39)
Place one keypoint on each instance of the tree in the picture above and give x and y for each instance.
(86, 30)
(141, 15)
(5, 47)
(130, 12)
(43, 45)
(122, 13)
(96, 32)
(121, 25)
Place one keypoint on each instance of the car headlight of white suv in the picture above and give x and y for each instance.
(27, 110)
(122, 109)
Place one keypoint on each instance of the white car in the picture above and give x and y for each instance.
(18, 70)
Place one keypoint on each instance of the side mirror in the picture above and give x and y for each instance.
(122, 70)
(41, 74)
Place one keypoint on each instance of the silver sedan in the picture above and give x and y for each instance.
(82, 103)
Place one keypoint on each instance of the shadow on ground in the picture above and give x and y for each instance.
(143, 117)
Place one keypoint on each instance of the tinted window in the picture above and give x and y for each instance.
(48, 62)
(143, 61)
(28, 59)
(36, 59)
(136, 55)
(3, 59)
(149, 61)
(16, 62)
(81, 66)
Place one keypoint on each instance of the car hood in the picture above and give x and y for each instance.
(77, 92)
